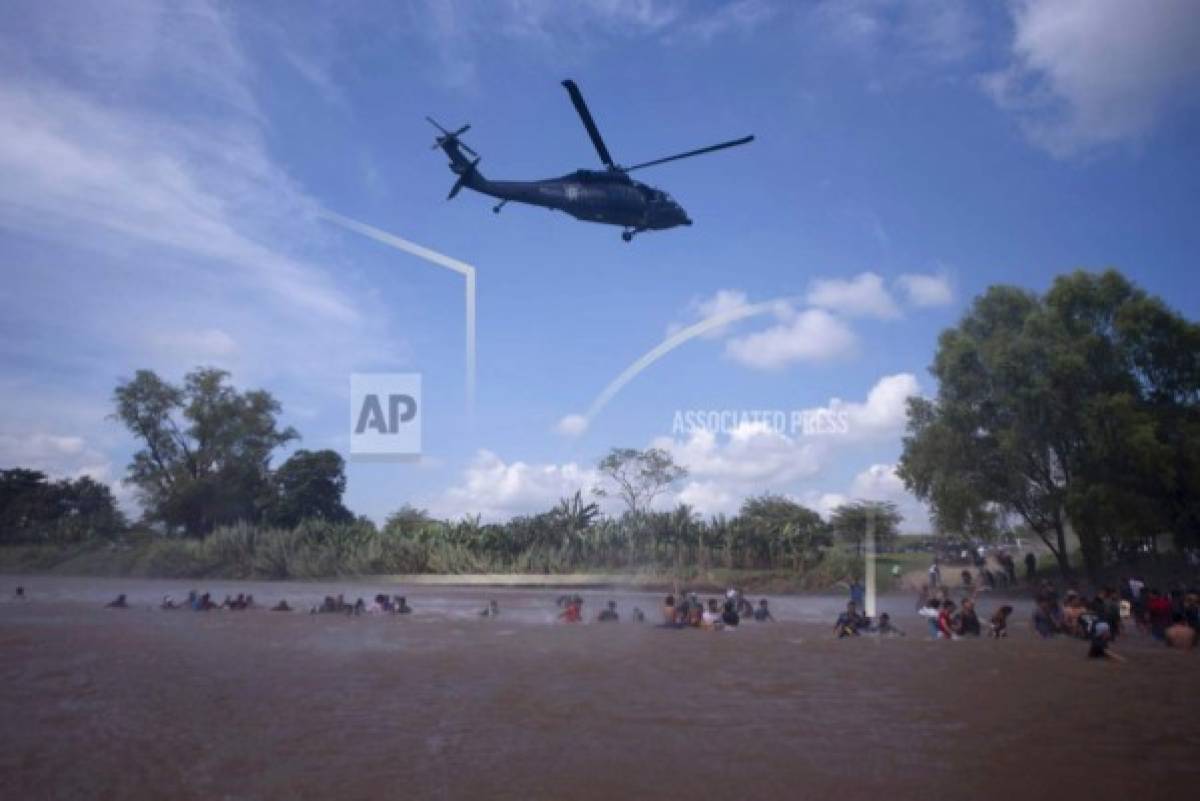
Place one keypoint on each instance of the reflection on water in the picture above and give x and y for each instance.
(442, 704)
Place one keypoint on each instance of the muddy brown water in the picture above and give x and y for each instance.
(141, 703)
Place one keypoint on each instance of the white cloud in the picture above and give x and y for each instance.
(879, 482)
(1087, 73)
(900, 37)
(753, 453)
(884, 412)
(721, 302)
(496, 490)
(572, 425)
(813, 335)
(864, 295)
(69, 163)
(723, 468)
(926, 290)
(56, 455)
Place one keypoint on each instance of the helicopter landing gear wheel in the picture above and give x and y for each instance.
(498, 206)
(627, 236)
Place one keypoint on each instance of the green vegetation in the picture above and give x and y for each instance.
(213, 505)
(1076, 411)
(1074, 415)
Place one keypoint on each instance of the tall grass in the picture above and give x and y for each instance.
(319, 549)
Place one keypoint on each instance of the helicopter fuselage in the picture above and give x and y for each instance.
(603, 196)
(595, 196)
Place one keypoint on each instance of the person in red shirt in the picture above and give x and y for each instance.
(945, 622)
(574, 611)
(1158, 611)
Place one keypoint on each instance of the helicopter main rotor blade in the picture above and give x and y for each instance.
(588, 122)
(745, 140)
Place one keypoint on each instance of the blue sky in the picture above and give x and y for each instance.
(162, 170)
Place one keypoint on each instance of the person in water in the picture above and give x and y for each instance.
(967, 621)
(695, 612)
(669, 611)
(945, 622)
(710, 618)
(858, 593)
(402, 607)
(886, 628)
(1099, 648)
(169, 603)
(609, 614)
(1043, 619)
(491, 610)
(282, 606)
(1179, 634)
(20, 594)
(638, 615)
(848, 622)
(119, 603)
(999, 622)
(762, 614)
(574, 611)
(930, 612)
(730, 616)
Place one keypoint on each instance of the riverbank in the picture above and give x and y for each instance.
(199, 560)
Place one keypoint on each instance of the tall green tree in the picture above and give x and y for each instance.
(1069, 411)
(772, 530)
(206, 448)
(309, 485)
(35, 509)
(638, 477)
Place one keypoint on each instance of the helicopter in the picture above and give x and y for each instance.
(605, 196)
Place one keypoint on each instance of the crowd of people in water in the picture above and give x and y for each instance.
(688, 611)
(1171, 617)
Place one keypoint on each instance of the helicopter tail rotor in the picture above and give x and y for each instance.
(451, 137)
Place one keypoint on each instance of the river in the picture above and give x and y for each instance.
(442, 704)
